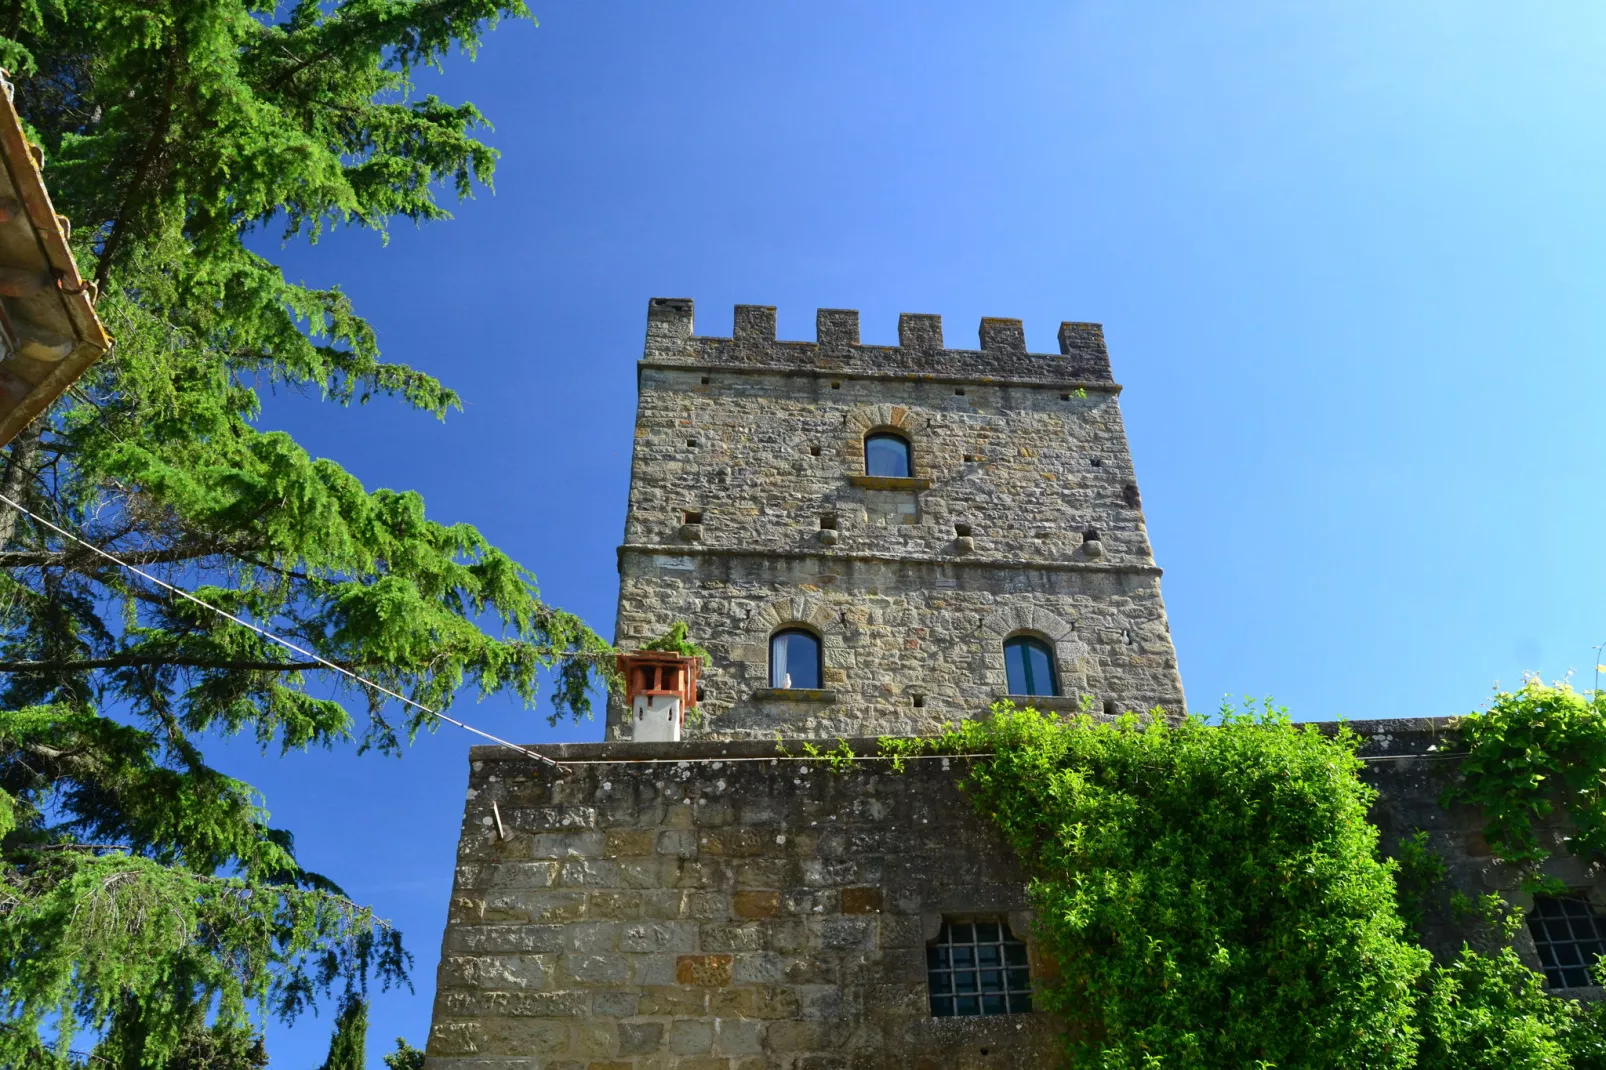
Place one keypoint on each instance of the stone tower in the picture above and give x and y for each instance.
(915, 516)
(753, 511)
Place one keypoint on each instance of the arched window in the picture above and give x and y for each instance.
(795, 659)
(887, 454)
(1029, 665)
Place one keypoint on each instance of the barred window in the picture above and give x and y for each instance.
(977, 967)
(1569, 938)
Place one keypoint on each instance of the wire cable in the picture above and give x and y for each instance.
(560, 765)
(287, 644)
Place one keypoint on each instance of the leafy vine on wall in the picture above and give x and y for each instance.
(1534, 749)
(1213, 895)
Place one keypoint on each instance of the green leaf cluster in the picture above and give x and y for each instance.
(678, 640)
(1533, 751)
(145, 897)
(1212, 895)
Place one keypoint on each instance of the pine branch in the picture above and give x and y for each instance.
(73, 558)
(126, 661)
(118, 232)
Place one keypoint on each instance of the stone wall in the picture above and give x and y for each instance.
(749, 507)
(715, 906)
(711, 906)
(907, 646)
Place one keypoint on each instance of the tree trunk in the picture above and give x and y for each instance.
(18, 471)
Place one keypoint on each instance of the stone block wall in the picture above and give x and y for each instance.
(711, 906)
(715, 906)
(907, 646)
(750, 510)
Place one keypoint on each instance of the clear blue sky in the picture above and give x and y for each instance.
(1349, 259)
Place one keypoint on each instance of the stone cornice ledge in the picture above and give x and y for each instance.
(1092, 386)
(967, 561)
(1382, 737)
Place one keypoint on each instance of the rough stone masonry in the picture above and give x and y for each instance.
(727, 903)
(752, 510)
(716, 905)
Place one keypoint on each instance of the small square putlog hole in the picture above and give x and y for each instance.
(692, 516)
(814, 451)
(920, 702)
(962, 530)
(828, 522)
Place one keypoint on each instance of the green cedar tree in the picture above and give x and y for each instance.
(405, 1057)
(139, 886)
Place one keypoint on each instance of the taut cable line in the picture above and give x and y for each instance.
(822, 759)
(287, 644)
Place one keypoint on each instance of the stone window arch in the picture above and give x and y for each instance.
(865, 421)
(751, 657)
(1057, 633)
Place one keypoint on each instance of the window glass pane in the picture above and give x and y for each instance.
(1029, 667)
(966, 975)
(794, 660)
(1567, 936)
(886, 455)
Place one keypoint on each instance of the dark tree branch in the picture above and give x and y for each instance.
(130, 661)
(142, 171)
(18, 470)
(75, 557)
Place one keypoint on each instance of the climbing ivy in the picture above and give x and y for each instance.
(677, 640)
(1211, 894)
(1534, 749)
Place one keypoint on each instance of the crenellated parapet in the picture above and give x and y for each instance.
(1082, 360)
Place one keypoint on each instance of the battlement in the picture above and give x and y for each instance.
(1002, 354)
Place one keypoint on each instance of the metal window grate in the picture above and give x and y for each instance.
(977, 968)
(1569, 938)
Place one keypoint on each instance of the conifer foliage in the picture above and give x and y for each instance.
(146, 902)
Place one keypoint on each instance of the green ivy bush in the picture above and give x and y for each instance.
(1531, 749)
(1213, 896)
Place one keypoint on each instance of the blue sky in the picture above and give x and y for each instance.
(1348, 257)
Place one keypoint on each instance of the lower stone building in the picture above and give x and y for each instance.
(715, 905)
